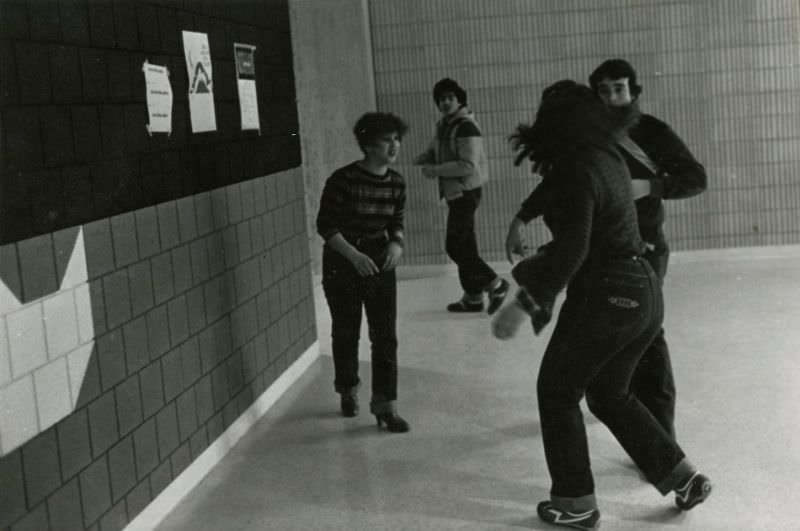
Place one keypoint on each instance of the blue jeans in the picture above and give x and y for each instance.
(653, 381)
(347, 292)
(461, 243)
(611, 314)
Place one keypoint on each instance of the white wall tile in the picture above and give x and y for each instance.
(52, 392)
(26, 340)
(5, 354)
(18, 421)
(60, 323)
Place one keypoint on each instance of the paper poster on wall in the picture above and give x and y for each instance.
(159, 98)
(246, 79)
(201, 86)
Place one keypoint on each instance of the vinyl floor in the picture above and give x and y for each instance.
(474, 460)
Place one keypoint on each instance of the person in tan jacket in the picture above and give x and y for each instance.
(456, 158)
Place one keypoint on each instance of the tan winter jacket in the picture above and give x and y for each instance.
(457, 155)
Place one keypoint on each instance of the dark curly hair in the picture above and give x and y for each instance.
(615, 69)
(373, 125)
(449, 85)
(570, 122)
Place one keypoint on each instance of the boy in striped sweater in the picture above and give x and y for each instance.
(361, 220)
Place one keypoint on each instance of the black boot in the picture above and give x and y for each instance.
(349, 404)
(394, 422)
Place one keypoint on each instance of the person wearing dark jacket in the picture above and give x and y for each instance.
(661, 167)
(361, 216)
(612, 311)
(457, 158)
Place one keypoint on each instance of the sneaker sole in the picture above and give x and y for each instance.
(707, 487)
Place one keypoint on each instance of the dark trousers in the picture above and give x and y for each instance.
(347, 292)
(653, 380)
(461, 243)
(610, 316)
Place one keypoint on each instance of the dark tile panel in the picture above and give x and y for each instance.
(180, 459)
(178, 320)
(95, 490)
(172, 375)
(117, 297)
(149, 31)
(121, 468)
(101, 24)
(115, 519)
(198, 443)
(14, 14)
(94, 75)
(33, 61)
(167, 429)
(64, 68)
(152, 387)
(187, 414)
(86, 134)
(125, 25)
(137, 353)
(12, 485)
(35, 520)
(103, 423)
(64, 506)
(160, 478)
(204, 399)
(129, 405)
(74, 446)
(74, 18)
(158, 331)
(23, 146)
(146, 448)
(182, 268)
(138, 499)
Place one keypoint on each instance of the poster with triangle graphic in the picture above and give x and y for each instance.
(201, 84)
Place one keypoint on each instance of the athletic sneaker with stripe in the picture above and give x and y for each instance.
(588, 521)
(696, 489)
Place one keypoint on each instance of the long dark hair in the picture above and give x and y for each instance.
(570, 123)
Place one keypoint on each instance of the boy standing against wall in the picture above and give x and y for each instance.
(457, 158)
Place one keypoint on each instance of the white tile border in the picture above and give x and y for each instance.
(169, 498)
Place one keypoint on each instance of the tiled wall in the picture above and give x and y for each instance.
(193, 307)
(73, 111)
(151, 288)
(723, 73)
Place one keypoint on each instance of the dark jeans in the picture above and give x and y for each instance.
(461, 243)
(653, 380)
(609, 317)
(346, 292)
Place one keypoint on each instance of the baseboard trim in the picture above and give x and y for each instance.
(182, 485)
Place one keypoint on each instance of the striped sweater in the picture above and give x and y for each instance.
(359, 204)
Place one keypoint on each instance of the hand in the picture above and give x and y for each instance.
(515, 243)
(392, 256)
(363, 264)
(506, 323)
(640, 188)
(428, 171)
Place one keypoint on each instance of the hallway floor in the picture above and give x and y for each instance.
(473, 459)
